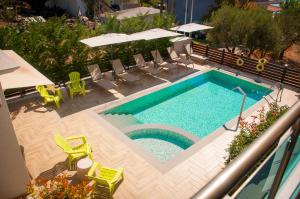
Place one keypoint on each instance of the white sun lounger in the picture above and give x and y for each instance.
(160, 62)
(192, 55)
(98, 79)
(121, 73)
(145, 66)
(178, 59)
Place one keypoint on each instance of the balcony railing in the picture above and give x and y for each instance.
(225, 181)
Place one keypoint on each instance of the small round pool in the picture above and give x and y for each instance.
(162, 144)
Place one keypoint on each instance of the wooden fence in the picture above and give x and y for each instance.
(271, 71)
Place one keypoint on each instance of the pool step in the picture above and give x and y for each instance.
(117, 113)
(121, 120)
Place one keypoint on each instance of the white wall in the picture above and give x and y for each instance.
(72, 6)
(13, 173)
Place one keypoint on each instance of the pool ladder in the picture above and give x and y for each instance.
(242, 106)
(279, 86)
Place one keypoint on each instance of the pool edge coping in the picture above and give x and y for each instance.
(183, 156)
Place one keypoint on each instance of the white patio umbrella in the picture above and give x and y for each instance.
(155, 33)
(108, 39)
(191, 27)
(15, 72)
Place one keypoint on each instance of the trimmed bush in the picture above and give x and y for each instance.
(249, 131)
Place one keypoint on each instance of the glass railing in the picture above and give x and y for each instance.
(261, 181)
(272, 174)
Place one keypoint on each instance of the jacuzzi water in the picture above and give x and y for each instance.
(198, 105)
(162, 144)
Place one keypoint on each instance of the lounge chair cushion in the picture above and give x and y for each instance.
(120, 71)
(129, 77)
(145, 66)
(156, 56)
(173, 54)
(139, 60)
(97, 77)
(95, 72)
(151, 70)
(160, 62)
(118, 66)
(104, 83)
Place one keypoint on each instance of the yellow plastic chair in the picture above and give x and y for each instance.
(56, 98)
(74, 152)
(76, 85)
(105, 176)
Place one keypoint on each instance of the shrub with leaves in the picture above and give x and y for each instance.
(249, 131)
(54, 49)
(59, 187)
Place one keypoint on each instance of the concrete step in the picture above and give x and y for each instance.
(121, 120)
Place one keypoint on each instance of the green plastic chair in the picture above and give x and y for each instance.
(74, 152)
(105, 176)
(56, 98)
(76, 85)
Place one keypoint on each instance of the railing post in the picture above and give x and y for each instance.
(206, 51)
(223, 54)
(284, 72)
(285, 160)
(232, 174)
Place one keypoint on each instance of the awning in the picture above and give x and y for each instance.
(155, 33)
(108, 39)
(191, 27)
(23, 75)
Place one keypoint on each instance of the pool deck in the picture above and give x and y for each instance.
(35, 125)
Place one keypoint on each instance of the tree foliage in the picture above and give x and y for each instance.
(264, 35)
(53, 47)
(7, 10)
(229, 31)
(288, 21)
(251, 29)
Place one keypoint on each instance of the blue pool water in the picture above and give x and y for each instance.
(198, 105)
(162, 144)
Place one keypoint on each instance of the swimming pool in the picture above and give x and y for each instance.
(198, 105)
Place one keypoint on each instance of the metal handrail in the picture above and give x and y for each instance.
(242, 106)
(279, 86)
(230, 176)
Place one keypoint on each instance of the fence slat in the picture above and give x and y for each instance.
(272, 71)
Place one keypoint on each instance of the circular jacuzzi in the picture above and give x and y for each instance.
(163, 144)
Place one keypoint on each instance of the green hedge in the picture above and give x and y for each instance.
(53, 47)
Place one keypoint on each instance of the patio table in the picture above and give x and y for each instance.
(83, 167)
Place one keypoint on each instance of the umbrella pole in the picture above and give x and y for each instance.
(156, 65)
(111, 58)
(111, 52)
